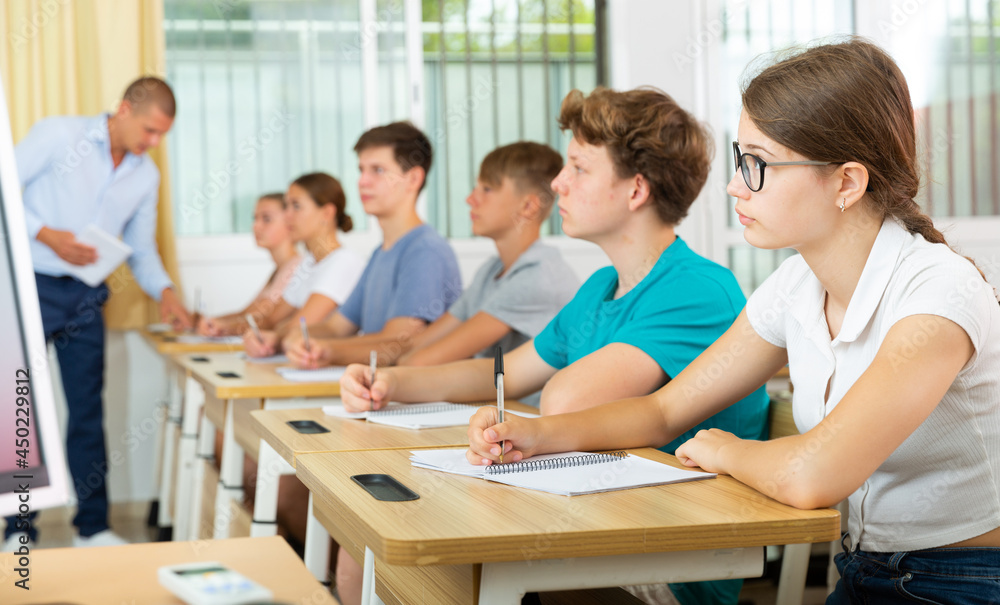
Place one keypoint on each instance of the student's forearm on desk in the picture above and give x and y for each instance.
(469, 380)
(627, 423)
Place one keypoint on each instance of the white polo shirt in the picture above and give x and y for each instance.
(942, 485)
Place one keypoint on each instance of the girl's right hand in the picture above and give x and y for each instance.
(359, 394)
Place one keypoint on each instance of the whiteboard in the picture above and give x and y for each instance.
(33, 472)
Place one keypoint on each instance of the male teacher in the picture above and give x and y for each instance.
(79, 172)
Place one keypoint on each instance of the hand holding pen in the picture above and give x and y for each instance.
(305, 333)
(303, 352)
(362, 391)
(253, 326)
(372, 366)
(498, 383)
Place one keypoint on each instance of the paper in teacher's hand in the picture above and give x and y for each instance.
(111, 252)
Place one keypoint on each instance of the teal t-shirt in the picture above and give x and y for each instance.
(680, 308)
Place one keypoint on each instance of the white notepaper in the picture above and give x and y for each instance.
(197, 339)
(279, 358)
(111, 252)
(435, 414)
(328, 374)
(572, 480)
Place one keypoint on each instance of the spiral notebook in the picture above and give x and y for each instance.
(566, 474)
(414, 415)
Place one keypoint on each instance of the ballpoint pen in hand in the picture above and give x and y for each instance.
(498, 382)
(196, 316)
(305, 332)
(253, 326)
(372, 365)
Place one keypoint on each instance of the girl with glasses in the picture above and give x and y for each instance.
(890, 336)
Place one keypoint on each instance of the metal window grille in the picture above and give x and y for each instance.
(270, 89)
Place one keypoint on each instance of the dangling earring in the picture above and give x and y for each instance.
(842, 208)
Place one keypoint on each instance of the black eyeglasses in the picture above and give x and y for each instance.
(753, 167)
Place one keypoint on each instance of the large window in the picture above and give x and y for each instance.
(270, 89)
(750, 29)
(948, 50)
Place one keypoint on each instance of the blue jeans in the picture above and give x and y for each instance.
(939, 575)
(73, 322)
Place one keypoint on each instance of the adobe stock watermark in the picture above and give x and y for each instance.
(27, 28)
(695, 45)
(247, 150)
(370, 30)
(900, 14)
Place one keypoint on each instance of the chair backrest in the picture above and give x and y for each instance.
(779, 416)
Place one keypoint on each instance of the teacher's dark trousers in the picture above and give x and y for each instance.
(72, 320)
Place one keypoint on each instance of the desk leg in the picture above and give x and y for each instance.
(175, 403)
(368, 596)
(270, 467)
(204, 452)
(505, 583)
(317, 547)
(230, 476)
(794, 566)
(194, 399)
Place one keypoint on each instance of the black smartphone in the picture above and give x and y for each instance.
(200, 359)
(308, 426)
(228, 374)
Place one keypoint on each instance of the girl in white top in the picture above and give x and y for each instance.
(271, 231)
(326, 276)
(892, 339)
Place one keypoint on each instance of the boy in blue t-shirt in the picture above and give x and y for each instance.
(410, 280)
(635, 164)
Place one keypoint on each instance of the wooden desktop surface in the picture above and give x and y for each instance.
(127, 574)
(347, 434)
(252, 380)
(165, 343)
(461, 520)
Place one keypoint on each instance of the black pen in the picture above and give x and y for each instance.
(498, 382)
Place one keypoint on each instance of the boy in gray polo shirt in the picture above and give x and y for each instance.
(517, 292)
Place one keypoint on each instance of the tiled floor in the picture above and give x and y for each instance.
(129, 521)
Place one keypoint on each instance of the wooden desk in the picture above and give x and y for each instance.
(166, 343)
(352, 434)
(230, 388)
(127, 574)
(467, 540)
(173, 429)
(277, 438)
(253, 381)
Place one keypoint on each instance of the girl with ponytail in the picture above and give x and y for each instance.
(890, 336)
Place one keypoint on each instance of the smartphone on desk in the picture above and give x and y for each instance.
(211, 583)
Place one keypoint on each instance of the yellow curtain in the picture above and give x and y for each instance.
(75, 57)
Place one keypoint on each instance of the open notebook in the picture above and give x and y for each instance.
(415, 415)
(567, 474)
(197, 339)
(328, 374)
